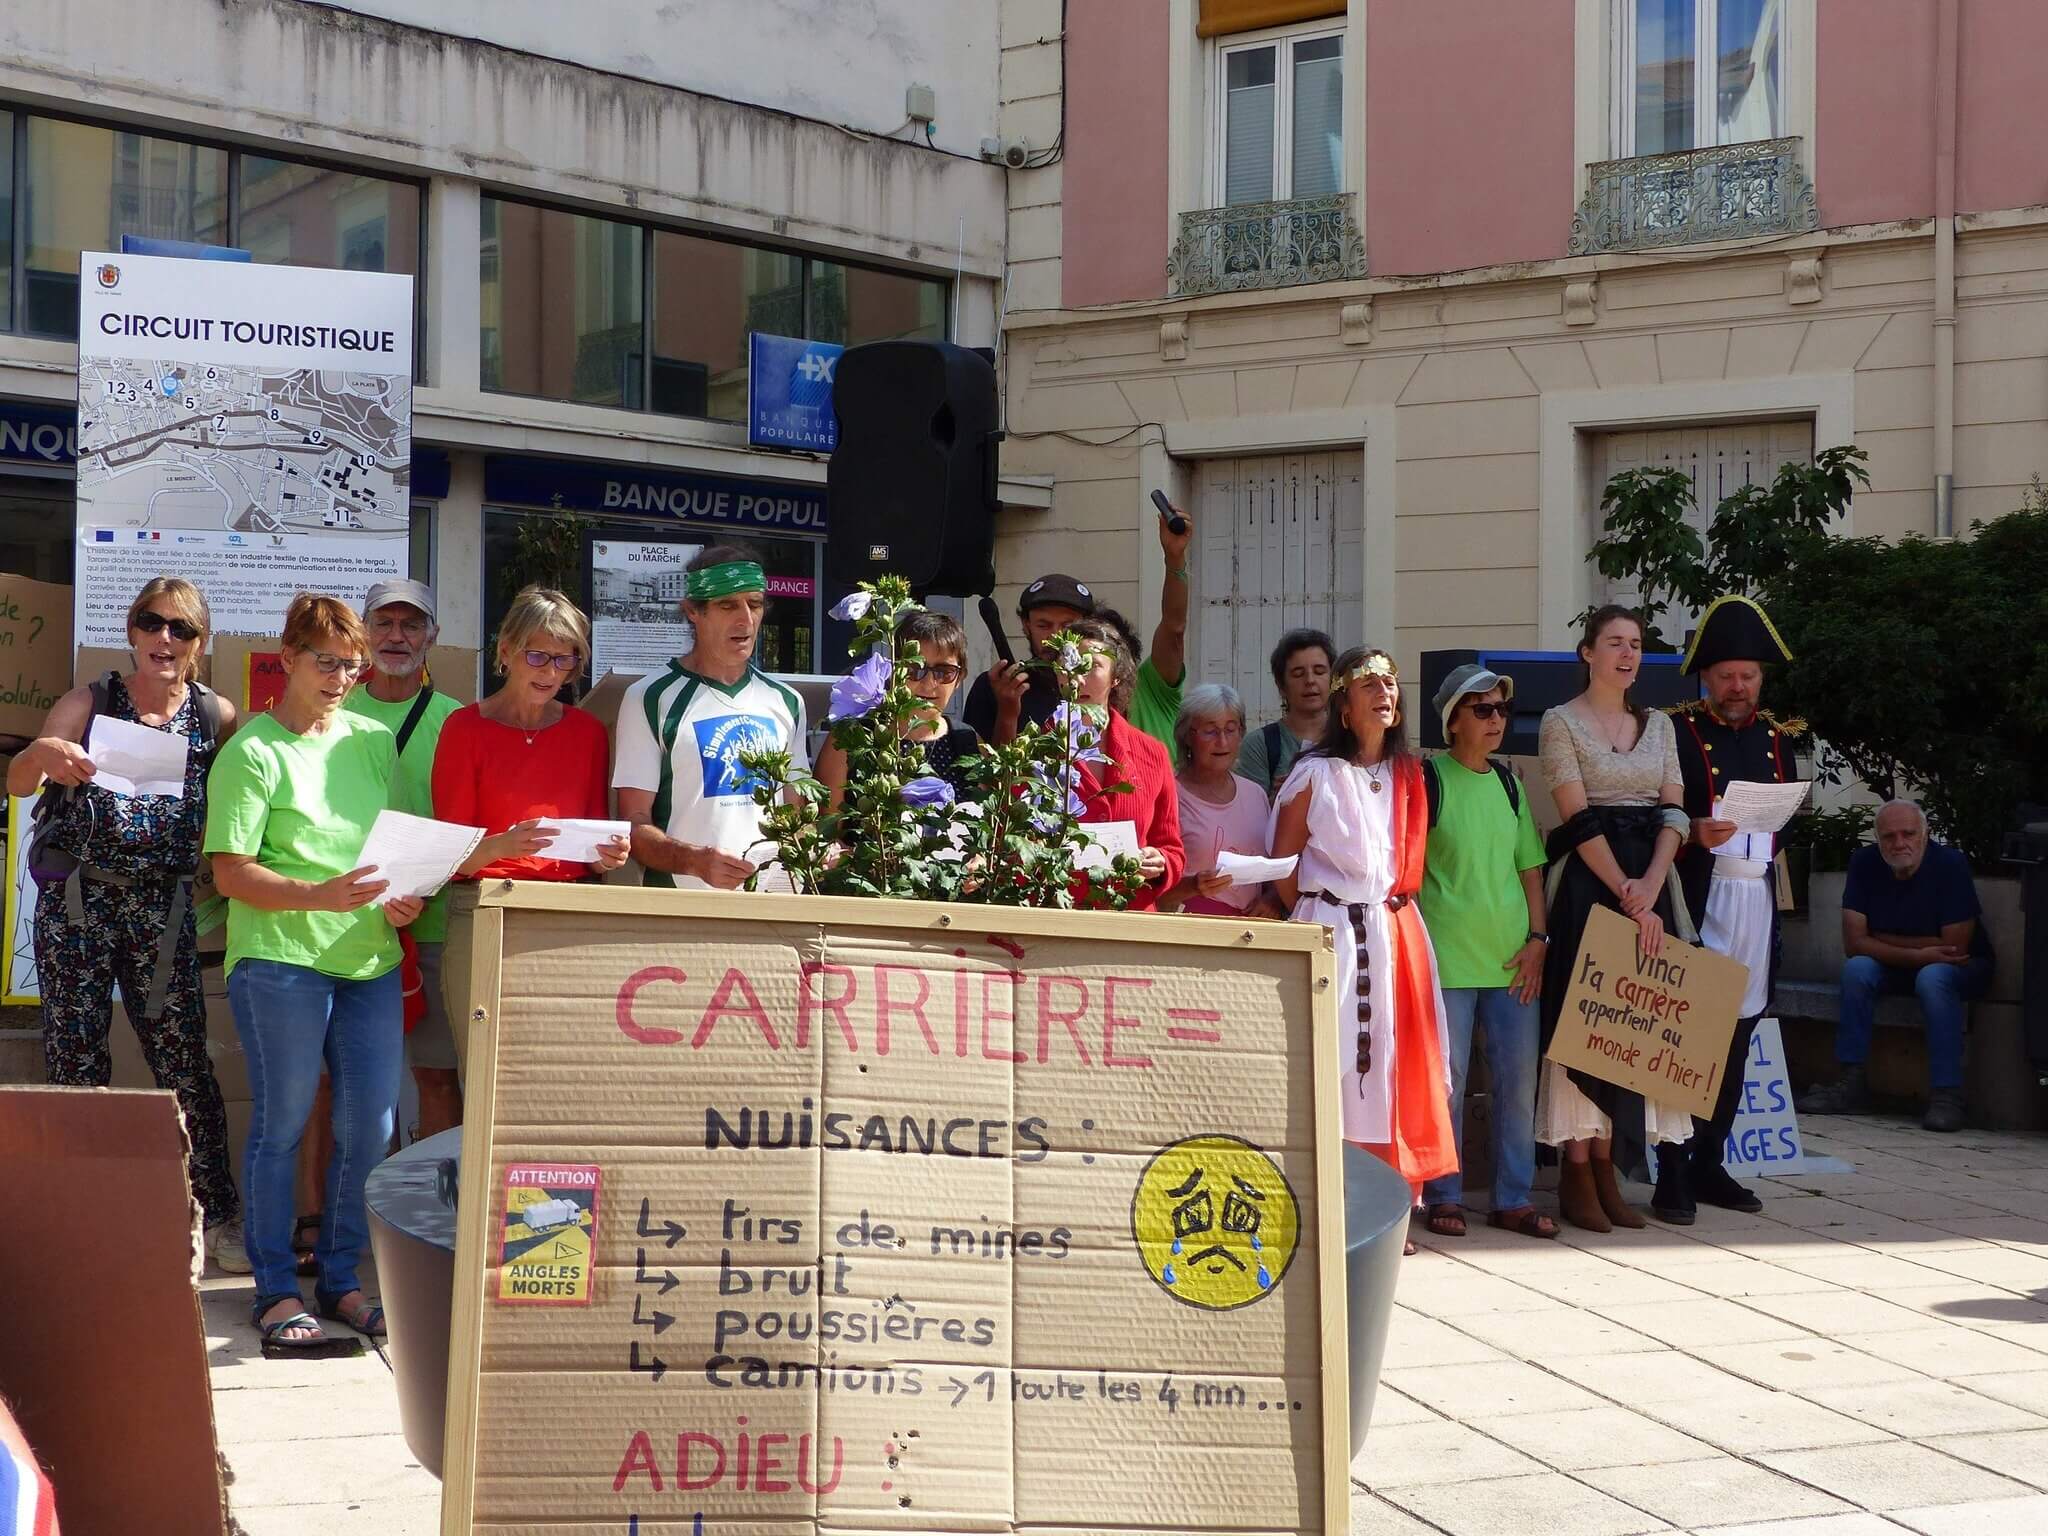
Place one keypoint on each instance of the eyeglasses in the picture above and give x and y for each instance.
(1218, 732)
(412, 629)
(330, 664)
(1487, 711)
(936, 671)
(152, 623)
(545, 659)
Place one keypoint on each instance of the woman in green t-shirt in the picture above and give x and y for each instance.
(312, 965)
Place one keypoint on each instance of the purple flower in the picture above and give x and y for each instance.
(1084, 737)
(928, 790)
(853, 606)
(861, 689)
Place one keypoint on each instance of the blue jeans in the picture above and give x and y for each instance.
(292, 1020)
(1945, 993)
(1512, 1029)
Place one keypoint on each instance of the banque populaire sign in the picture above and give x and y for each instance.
(806, 1213)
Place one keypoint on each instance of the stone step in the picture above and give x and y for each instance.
(21, 1052)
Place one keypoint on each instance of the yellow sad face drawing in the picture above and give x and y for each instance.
(1215, 1222)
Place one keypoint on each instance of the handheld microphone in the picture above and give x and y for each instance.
(992, 616)
(1175, 523)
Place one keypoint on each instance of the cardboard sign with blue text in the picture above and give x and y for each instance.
(1658, 1025)
(1765, 1139)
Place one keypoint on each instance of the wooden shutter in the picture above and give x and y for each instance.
(1221, 16)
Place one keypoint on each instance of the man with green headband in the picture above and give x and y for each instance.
(676, 765)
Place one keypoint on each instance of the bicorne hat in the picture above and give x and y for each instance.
(1734, 628)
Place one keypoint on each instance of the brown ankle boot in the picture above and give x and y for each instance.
(1608, 1191)
(1577, 1200)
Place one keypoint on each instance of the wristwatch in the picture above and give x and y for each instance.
(1538, 936)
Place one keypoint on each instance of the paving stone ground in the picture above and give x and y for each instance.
(1868, 1357)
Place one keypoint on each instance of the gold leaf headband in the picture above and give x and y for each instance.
(1378, 664)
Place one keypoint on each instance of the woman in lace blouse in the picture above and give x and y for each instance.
(1613, 770)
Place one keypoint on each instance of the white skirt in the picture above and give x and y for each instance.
(1565, 1114)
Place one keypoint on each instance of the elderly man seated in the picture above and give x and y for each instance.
(1910, 923)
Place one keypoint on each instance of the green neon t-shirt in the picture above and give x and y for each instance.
(1155, 705)
(415, 792)
(1471, 899)
(301, 806)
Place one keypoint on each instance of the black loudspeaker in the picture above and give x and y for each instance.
(912, 484)
(1543, 680)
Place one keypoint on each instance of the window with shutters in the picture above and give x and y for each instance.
(1282, 547)
(1719, 461)
(1279, 130)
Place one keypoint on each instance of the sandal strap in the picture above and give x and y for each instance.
(299, 1319)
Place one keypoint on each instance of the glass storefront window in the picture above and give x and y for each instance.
(309, 216)
(645, 592)
(6, 221)
(708, 295)
(87, 187)
(561, 311)
(38, 528)
(852, 305)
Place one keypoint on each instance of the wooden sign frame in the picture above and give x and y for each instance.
(505, 907)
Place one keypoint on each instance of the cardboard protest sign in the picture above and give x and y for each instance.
(912, 1217)
(1658, 1026)
(35, 652)
(1765, 1137)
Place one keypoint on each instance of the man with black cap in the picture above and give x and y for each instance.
(1010, 693)
(1724, 738)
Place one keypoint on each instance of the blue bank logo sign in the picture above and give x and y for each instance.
(789, 393)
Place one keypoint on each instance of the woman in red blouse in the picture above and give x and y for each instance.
(1152, 803)
(512, 761)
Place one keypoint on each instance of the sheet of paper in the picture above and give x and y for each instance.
(1753, 846)
(1251, 869)
(415, 854)
(1761, 807)
(577, 838)
(136, 759)
(1108, 839)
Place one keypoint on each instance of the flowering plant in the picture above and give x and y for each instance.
(1009, 835)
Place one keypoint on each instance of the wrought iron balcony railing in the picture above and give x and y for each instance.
(1267, 245)
(1728, 192)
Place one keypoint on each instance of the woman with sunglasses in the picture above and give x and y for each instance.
(120, 908)
(312, 964)
(942, 644)
(511, 761)
(1355, 810)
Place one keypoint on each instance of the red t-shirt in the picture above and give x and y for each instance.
(492, 776)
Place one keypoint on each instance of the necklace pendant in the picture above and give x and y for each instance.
(1375, 785)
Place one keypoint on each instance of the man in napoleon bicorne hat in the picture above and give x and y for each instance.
(1725, 738)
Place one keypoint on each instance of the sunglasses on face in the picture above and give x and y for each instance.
(1487, 711)
(545, 659)
(329, 664)
(155, 623)
(935, 671)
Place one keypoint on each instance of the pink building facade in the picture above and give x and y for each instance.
(1408, 281)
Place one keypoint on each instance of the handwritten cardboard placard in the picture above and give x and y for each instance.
(1765, 1136)
(35, 652)
(1658, 1026)
(914, 1218)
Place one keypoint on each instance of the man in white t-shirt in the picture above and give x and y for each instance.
(681, 731)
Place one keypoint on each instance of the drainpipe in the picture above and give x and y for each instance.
(1945, 80)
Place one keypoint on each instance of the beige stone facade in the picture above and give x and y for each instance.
(1482, 402)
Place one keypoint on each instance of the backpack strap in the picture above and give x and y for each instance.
(1432, 787)
(1506, 773)
(414, 715)
(1270, 734)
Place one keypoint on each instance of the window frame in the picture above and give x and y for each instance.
(1284, 40)
(649, 229)
(16, 149)
(1705, 87)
